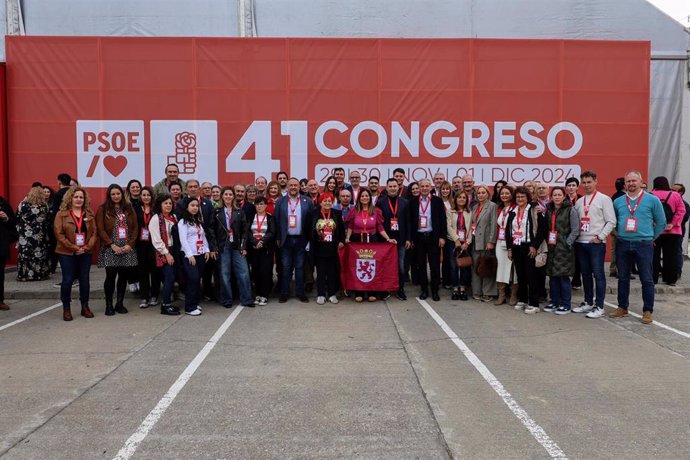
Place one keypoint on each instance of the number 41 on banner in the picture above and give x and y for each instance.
(259, 135)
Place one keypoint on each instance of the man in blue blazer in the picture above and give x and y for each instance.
(292, 229)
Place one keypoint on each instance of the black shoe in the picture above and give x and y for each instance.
(385, 296)
(109, 310)
(423, 295)
(463, 295)
(455, 296)
(401, 295)
(435, 296)
(121, 309)
(170, 310)
(282, 299)
(304, 299)
(250, 305)
(228, 305)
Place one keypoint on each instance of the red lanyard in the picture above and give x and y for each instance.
(585, 205)
(293, 208)
(170, 219)
(146, 220)
(198, 232)
(121, 218)
(394, 211)
(520, 218)
(364, 215)
(424, 208)
(476, 213)
(631, 209)
(79, 221)
(259, 223)
(504, 215)
(326, 217)
(553, 219)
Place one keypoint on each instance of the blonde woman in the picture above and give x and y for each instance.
(33, 223)
(76, 235)
(484, 233)
(460, 236)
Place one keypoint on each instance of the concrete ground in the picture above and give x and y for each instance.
(391, 379)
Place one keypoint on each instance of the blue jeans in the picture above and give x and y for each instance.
(448, 255)
(168, 281)
(591, 257)
(292, 255)
(642, 254)
(560, 290)
(232, 262)
(73, 266)
(192, 295)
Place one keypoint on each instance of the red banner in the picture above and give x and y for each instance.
(369, 267)
(110, 109)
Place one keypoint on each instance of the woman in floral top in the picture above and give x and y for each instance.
(33, 223)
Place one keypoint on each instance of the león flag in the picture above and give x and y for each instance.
(369, 267)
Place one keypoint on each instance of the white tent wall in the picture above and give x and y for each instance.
(582, 19)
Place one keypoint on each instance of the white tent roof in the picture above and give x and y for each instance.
(582, 19)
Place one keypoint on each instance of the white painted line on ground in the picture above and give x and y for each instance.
(150, 421)
(21, 320)
(537, 431)
(655, 322)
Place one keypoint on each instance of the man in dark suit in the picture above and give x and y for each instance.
(292, 229)
(395, 222)
(427, 218)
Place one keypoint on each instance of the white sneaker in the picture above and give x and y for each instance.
(132, 288)
(261, 301)
(321, 300)
(257, 299)
(583, 308)
(597, 312)
(144, 304)
(520, 306)
(549, 307)
(198, 307)
(195, 312)
(333, 299)
(153, 301)
(530, 310)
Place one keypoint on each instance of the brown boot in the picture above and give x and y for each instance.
(501, 294)
(513, 295)
(66, 315)
(86, 311)
(4, 306)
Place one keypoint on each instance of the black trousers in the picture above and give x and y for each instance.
(326, 275)
(3, 262)
(261, 262)
(427, 250)
(527, 275)
(150, 276)
(122, 275)
(666, 249)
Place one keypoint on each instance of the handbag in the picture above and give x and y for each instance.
(462, 258)
(487, 266)
(542, 255)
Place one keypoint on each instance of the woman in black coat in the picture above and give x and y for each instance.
(261, 235)
(8, 235)
(326, 236)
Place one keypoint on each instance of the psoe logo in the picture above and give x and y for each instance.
(109, 151)
(191, 144)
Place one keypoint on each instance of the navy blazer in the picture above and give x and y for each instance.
(281, 217)
(403, 234)
(438, 217)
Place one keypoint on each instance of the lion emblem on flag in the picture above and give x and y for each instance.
(366, 270)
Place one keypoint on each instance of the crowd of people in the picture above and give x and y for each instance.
(495, 244)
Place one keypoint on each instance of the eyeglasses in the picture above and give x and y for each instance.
(354, 177)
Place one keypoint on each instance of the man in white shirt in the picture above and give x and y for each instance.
(597, 220)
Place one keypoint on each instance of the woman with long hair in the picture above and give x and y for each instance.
(446, 194)
(216, 199)
(118, 231)
(149, 275)
(166, 242)
(75, 232)
(331, 186)
(564, 227)
(668, 242)
(365, 225)
(504, 271)
(326, 236)
(261, 237)
(133, 192)
(33, 223)
(498, 186)
(484, 235)
(525, 231)
(460, 238)
(175, 193)
(195, 252)
(411, 266)
(228, 241)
